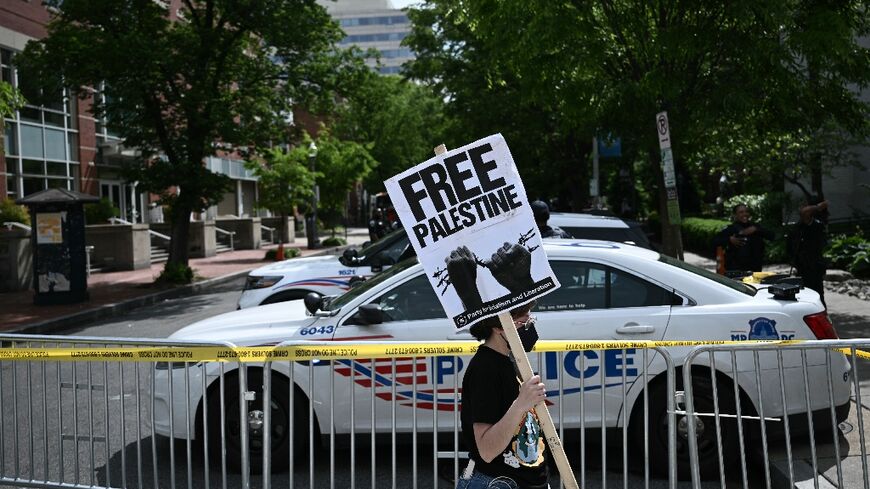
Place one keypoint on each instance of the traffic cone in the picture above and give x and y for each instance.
(279, 255)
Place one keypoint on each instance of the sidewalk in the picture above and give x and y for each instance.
(113, 291)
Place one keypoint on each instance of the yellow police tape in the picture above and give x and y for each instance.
(327, 351)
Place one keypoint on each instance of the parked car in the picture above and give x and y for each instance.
(609, 228)
(294, 279)
(609, 291)
(328, 275)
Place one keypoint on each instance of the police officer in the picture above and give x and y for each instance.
(743, 241)
(811, 237)
(541, 212)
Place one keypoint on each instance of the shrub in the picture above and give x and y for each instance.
(100, 212)
(175, 274)
(334, 241)
(288, 253)
(11, 212)
(698, 234)
(766, 209)
(850, 252)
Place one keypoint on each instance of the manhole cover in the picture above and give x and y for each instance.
(846, 427)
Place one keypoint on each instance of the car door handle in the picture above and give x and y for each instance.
(634, 328)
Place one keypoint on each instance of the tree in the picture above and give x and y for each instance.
(284, 181)
(398, 121)
(773, 68)
(225, 72)
(340, 164)
(10, 101)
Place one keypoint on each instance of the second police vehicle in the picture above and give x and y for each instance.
(609, 291)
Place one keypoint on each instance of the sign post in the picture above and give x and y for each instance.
(458, 208)
(670, 177)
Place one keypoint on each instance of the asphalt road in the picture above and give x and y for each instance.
(133, 457)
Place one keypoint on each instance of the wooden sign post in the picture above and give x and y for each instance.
(525, 370)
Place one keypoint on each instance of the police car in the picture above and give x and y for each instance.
(328, 275)
(294, 279)
(609, 291)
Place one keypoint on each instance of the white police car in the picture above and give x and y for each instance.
(327, 275)
(610, 291)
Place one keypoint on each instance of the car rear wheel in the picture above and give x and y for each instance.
(705, 429)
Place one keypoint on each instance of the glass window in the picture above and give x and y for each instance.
(73, 142)
(720, 279)
(10, 142)
(53, 119)
(340, 301)
(414, 300)
(6, 74)
(12, 166)
(33, 167)
(58, 169)
(11, 184)
(33, 185)
(58, 183)
(583, 287)
(30, 114)
(31, 141)
(55, 144)
(627, 290)
(74, 173)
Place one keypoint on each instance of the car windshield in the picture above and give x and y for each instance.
(730, 283)
(340, 301)
(392, 240)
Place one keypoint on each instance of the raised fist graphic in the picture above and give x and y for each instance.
(462, 272)
(511, 266)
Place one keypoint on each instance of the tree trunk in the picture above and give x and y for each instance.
(283, 228)
(180, 233)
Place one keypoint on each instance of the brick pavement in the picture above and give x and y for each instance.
(17, 309)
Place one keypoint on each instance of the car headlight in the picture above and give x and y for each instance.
(255, 282)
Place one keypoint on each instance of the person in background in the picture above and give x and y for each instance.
(377, 227)
(810, 238)
(541, 212)
(506, 449)
(743, 242)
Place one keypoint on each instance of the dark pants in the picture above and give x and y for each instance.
(813, 278)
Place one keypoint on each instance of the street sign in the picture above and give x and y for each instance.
(468, 217)
(668, 173)
(663, 130)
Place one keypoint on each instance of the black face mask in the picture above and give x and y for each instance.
(528, 336)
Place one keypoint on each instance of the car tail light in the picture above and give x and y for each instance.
(821, 326)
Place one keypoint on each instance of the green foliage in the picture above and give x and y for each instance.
(850, 252)
(776, 251)
(180, 91)
(340, 165)
(10, 101)
(11, 212)
(766, 209)
(766, 86)
(284, 179)
(288, 253)
(398, 121)
(100, 212)
(175, 274)
(333, 241)
(698, 234)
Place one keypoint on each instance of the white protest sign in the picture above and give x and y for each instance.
(468, 217)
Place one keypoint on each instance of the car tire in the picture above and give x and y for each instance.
(281, 430)
(705, 429)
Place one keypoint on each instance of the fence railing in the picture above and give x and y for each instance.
(82, 412)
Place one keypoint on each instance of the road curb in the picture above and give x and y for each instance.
(59, 324)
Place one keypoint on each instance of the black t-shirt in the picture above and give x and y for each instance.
(488, 390)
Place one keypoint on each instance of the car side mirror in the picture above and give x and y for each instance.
(313, 301)
(351, 257)
(371, 313)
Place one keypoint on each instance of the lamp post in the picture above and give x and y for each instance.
(311, 225)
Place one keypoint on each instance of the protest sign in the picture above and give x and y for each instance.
(468, 217)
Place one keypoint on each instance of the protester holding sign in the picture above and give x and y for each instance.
(470, 222)
(499, 423)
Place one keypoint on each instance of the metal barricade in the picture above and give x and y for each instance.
(788, 418)
(84, 424)
(346, 420)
